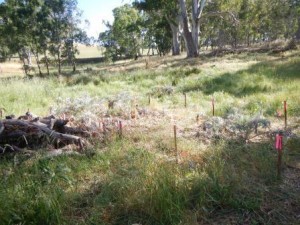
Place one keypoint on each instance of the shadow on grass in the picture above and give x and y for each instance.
(259, 78)
(241, 191)
(227, 187)
(233, 183)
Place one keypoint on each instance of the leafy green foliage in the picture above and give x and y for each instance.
(124, 36)
(245, 22)
(41, 27)
(162, 16)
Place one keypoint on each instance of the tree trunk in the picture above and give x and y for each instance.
(192, 50)
(28, 56)
(175, 35)
(46, 62)
(248, 39)
(73, 59)
(197, 9)
(195, 23)
(38, 63)
(74, 66)
(298, 31)
(25, 67)
(195, 33)
(148, 53)
(175, 39)
(59, 62)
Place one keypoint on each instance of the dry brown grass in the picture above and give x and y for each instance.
(10, 69)
(230, 63)
(157, 63)
(90, 51)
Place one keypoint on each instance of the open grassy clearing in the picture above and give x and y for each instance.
(90, 51)
(14, 68)
(136, 180)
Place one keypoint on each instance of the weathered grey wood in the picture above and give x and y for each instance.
(13, 130)
(77, 131)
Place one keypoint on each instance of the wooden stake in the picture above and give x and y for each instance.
(255, 127)
(185, 104)
(111, 104)
(213, 106)
(120, 129)
(285, 114)
(175, 143)
(149, 99)
(104, 128)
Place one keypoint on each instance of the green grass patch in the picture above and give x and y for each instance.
(123, 182)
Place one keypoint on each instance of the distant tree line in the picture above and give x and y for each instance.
(177, 25)
(50, 29)
(45, 29)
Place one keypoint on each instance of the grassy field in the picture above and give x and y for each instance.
(90, 51)
(136, 180)
(14, 68)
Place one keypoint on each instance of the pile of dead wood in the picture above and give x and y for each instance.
(32, 132)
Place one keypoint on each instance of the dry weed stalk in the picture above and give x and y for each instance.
(147, 63)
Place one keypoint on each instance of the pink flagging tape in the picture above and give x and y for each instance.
(278, 142)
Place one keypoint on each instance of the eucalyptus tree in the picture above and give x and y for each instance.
(60, 15)
(60, 31)
(74, 34)
(124, 36)
(161, 11)
(4, 50)
(159, 35)
(220, 25)
(127, 27)
(296, 7)
(178, 13)
(16, 21)
(191, 32)
(108, 41)
(21, 30)
(37, 35)
(41, 27)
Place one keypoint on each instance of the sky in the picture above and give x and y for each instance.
(95, 11)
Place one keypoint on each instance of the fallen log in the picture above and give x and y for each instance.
(77, 131)
(35, 134)
(69, 139)
(59, 125)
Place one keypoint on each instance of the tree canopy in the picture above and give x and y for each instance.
(50, 29)
(40, 27)
(193, 24)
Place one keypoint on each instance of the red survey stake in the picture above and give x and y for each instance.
(278, 142)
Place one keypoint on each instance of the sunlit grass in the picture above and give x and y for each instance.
(136, 180)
